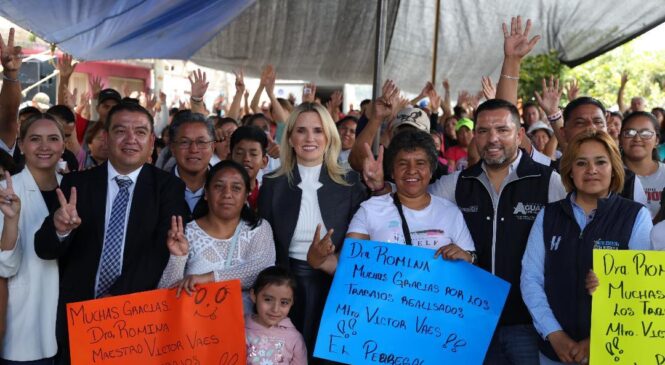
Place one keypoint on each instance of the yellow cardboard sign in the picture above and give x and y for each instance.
(628, 311)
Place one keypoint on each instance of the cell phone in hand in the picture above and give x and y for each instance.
(307, 90)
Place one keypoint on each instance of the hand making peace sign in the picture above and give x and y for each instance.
(66, 218)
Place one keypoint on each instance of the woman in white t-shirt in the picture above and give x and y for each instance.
(410, 215)
(639, 138)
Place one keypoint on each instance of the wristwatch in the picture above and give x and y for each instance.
(474, 257)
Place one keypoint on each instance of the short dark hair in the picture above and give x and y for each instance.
(347, 119)
(63, 112)
(498, 104)
(124, 106)
(28, 110)
(186, 117)
(92, 131)
(246, 214)
(250, 133)
(582, 100)
(224, 121)
(529, 104)
(365, 102)
(410, 140)
(7, 162)
(255, 117)
(274, 275)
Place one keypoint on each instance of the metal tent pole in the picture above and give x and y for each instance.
(379, 52)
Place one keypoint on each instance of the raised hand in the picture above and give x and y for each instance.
(273, 148)
(265, 74)
(426, 89)
(446, 85)
(453, 252)
(624, 79)
(489, 92)
(151, 102)
(572, 90)
(270, 77)
(334, 104)
(66, 218)
(516, 42)
(373, 169)
(65, 65)
(175, 239)
(96, 86)
(434, 99)
(240, 82)
(383, 107)
(70, 98)
(198, 83)
(320, 248)
(551, 94)
(10, 204)
(10, 55)
(309, 93)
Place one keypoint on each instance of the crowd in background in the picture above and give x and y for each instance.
(108, 194)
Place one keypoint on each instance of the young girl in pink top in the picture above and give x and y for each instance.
(271, 337)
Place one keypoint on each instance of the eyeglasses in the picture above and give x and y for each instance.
(186, 144)
(644, 133)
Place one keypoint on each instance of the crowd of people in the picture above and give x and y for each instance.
(119, 195)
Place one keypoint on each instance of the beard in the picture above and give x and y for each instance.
(506, 156)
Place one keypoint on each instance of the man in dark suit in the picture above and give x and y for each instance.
(110, 235)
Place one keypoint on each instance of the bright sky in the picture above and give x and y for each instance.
(652, 40)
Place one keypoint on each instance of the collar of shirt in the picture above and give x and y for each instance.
(580, 216)
(197, 193)
(112, 172)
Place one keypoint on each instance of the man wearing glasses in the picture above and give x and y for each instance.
(191, 141)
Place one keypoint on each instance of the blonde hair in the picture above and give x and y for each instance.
(331, 153)
(573, 149)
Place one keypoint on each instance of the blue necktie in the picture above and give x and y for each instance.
(111, 264)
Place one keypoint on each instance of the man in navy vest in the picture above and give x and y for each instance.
(586, 113)
(500, 197)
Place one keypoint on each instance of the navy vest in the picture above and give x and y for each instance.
(569, 257)
(519, 203)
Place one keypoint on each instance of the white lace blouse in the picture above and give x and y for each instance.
(241, 257)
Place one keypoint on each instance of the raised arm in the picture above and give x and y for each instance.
(622, 105)
(279, 115)
(234, 111)
(516, 45)
(549, 101)
(254, 105)
(333, 105)
(380, 109)
(10, 94)
(423, 93)
(445, 103)
(199, 85)
(66, 68)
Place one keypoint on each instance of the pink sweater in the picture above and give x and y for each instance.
(281, 344)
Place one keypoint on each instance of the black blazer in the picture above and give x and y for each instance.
(157, 196)
(279, 204)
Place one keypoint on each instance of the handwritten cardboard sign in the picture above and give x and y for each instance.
(155, 327)
(628, 309)
(396, 304)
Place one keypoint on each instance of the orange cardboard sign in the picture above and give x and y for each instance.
(155, 327)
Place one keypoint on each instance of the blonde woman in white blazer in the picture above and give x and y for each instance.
(25, 200)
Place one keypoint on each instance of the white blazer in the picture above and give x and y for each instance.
(33, 283)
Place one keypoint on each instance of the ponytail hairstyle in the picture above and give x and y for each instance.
(246, 213)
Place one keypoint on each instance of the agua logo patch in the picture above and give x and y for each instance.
(527, 211)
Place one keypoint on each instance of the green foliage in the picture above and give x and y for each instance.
(534, 69)
(601, 77)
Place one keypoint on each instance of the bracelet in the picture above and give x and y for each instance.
(554, 117)
(196, 99)
(510, 77)
(4, 77)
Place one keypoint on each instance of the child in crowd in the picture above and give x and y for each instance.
(271, 337)
(457, 155)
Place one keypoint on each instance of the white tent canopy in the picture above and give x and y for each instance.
(332, 41)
